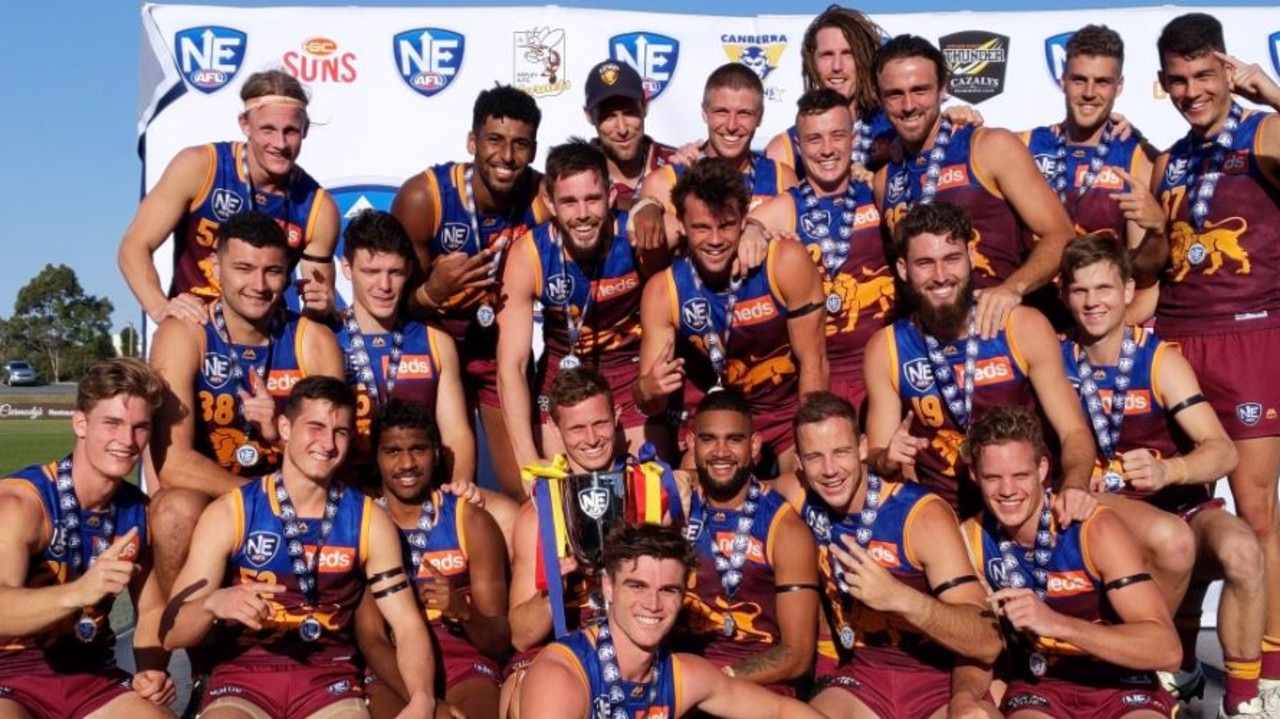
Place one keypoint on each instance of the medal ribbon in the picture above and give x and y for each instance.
(612, 674)
(825, 534)
(1207, 182)
(933, 170)
(363, 362)
(474, 216)
(306, 571)
(237, 372)
(959, 400)
(419, 536)
(574, 328)
(69, 505)
(729, 568)
(1107, 426)
(1014, 575)
(1096, 162)
(835, 249)
(717, 342)
(861, 142)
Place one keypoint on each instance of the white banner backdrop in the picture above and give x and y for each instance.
(392, 88)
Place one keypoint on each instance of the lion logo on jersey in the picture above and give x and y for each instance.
(947, 444)
(764, 371)
(1218, 240)
(875, 291)
(980, 261)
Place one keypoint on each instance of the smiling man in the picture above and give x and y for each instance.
(621, 666)
(761, 335)
(617, 105)
(1220, 292)
(462, 218)
(206, 184)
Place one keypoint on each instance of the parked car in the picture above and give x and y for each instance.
(18, 372)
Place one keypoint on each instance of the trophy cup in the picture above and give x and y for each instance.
(594, 503)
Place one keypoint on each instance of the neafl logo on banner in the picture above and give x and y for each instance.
(428, 58)
(209, 57)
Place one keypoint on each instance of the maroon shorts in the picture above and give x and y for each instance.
(462, 661)
(284, 689)
(480, 376)
(520, 661)
(620, 380)
(1189, 513)
(1063, 699)
(47, 694)
(907, 692)
(850, 385)
(1237, 374)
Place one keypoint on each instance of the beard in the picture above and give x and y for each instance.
(947, 322)
(727, 491)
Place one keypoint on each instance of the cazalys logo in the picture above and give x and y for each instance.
(977, 62)
(428, 58)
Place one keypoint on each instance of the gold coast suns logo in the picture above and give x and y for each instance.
(1217, 243)
(759, 53)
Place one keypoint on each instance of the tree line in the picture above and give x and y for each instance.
(58, 328)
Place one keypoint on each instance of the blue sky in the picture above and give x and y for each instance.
(71, 173)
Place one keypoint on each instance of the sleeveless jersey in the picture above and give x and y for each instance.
(998, 246)
(657, 156)
(754, 606)
(416, 380)
(1074, 589)
(882, 639)
(763, 177)
(220, 429)
(261, 555)
(881, 135)
(657, 699)
(610, 335)
(1094, 211)
(454, 234)
(52, 566)
(225, 192)
(758, 361)
(1000, 380)
(863, 284)
(446, 550)
(1146, 426)
(1228, 275)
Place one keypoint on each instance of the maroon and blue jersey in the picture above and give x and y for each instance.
(862, 284)
(1094, 211)
(227, 191)
(1146, 424)
(1226, 276)
(658, 698)
(758, 362)
(261, 555)
(656, 157)
(754, 606)
(417, 378)
(52, 566)
(1000, 379)
(998, 246)
(882, 638)
(610, 293)
(454, 230)
(220, 427)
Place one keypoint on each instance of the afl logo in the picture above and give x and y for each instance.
(216, 369)
(428, 58)
(560, 289)
(696, 314)
(261, 547)
(594, 502)
(225, 203)
(1249, 413)
(453, 236)
(896, 188)
(1175, 170)
(209, 57)
(919, 374)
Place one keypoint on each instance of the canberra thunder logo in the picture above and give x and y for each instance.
(759, 53)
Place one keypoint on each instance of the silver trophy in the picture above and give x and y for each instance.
(594, 503)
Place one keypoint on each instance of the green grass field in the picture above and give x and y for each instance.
(24, 442)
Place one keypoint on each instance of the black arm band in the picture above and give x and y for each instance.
(1123, 582)
(393, 572)
(803, 310)
(404, 584)
(952, 584)
(784, 588)
(1191, 401)
(317, 260)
